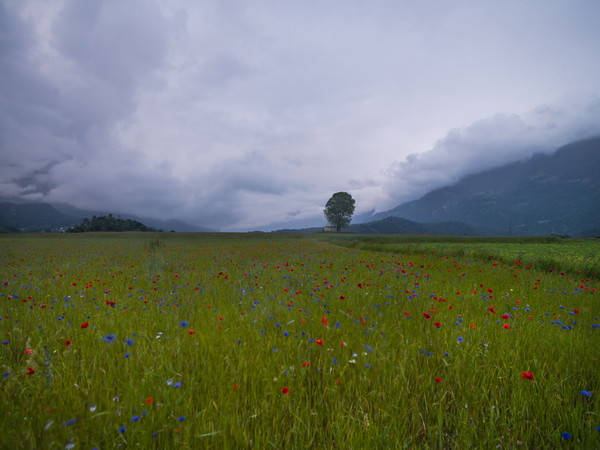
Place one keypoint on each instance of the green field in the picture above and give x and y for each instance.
(172, 340)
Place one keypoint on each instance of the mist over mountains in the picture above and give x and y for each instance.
(556, 193)
(43, 217)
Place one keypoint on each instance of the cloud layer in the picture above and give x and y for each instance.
(238, 115)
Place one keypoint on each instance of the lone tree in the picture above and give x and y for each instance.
(339, 209)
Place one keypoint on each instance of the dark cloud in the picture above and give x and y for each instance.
(236, 115)
(491, 142)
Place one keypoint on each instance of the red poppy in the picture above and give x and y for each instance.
(149, 400)
(85, 325)
(191, 332)
(30, 371)
(28, 352)
(437, 324)
(319, 342)
(68, 342)
(506, 326)
(235, 386)
(527, 376)
(491, 310)
(438, 380)
(285, 390)
(305, 364)
(505, 316)
(427, 316)
(324, 321)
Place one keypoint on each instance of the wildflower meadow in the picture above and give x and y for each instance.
(169, 340)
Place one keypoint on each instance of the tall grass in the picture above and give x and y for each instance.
(193, 342)
(544, 253)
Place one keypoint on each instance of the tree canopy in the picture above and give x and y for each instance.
(339, 210)
(108, 223)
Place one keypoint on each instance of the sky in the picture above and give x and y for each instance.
(249, 115)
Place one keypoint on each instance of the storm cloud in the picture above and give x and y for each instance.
(248, 115)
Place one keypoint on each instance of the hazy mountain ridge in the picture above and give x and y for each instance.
(546, 194)
(398, 225)
(32, 217)
(37, 217)
(556, 193)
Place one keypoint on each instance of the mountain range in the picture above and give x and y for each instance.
(38, 217)
(557, 193)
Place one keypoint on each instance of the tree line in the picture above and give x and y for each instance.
(108, 223)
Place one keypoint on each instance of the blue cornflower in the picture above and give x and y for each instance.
(461, 339)
(368, 347)
(123, 429)
(177, 384)
(566, 436)
(586, 393)
(334, 360)
(129, 341)
(425, 352)
(68, 423)
(181, 419)
(127, 355)
(135, 418)
(183, 323)
(109, 338)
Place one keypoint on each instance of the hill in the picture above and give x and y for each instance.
(546, 194)
(397, 225)
(108, 223)
(32, 217)
(37, 217)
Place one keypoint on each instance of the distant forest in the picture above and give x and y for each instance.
(108, 223)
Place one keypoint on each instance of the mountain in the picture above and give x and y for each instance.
(557, 193)
(32, 217)
(36, 217)
(157, 224)
(397, 225)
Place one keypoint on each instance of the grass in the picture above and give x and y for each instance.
(289, 341)
(578, 256)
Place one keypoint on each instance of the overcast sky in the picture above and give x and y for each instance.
(243, 115)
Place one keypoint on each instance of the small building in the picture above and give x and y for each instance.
(329, 228)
